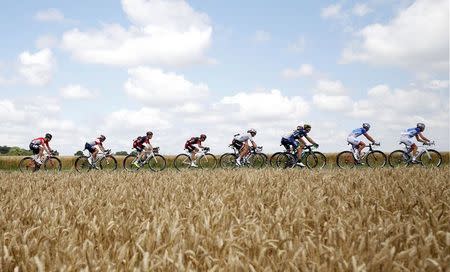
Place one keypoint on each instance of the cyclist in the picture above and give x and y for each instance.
(295, 140)
(240, 142)
(358, 145)
(94, 147)
(189, 146)
(410, 133)
(143, 146)
(38, 146)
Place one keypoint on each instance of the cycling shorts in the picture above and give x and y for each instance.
(34, 148)
(89, 148)
(289, 142)
(353, 140)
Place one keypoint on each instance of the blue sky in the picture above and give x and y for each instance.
(181, 68)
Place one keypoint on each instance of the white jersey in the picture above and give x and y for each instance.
(243, 137)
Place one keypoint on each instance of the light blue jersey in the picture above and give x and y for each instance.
(358, 132)
(411, 132)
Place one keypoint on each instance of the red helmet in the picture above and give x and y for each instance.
(203, 136)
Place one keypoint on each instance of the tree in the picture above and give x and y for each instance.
(79, 153)
(17, 151)
(4, 149)
(121, 153)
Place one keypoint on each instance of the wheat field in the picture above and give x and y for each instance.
(244, 220)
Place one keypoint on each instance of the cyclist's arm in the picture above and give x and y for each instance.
(310, 140)
(421, 138)
(101, 147)
(253, 143)
(47, 148)
(369, 138)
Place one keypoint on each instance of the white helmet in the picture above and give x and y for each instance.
(252, 130)
(366, 126)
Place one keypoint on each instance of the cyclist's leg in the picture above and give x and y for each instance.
(244, 150)
(286, 143)
(41, 153)
(300, 145)
(361, 146)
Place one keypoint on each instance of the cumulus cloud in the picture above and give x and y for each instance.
(76, 92)
(361, 9)
(303, 71)
(37, 68)
(155, 87)
(46, 41)
(332, 11)
(437, 84)
(49, 15)
(417, 38)
(330, 87)
(332, 102)
(298, 45)
(162, 32)
(267, 106)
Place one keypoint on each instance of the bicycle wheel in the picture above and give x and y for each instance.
(108, 163)
(228, 161)
(128, 163)
(376, 159)
(28, 164)
(82, 164)
(257, 160)
(182, 162)
(157, 163)
(273, 159)
(52, 164)
(345, 160)
(285, 160)
(208, 161)
(398, 158)
(431, 158)
(316, 159)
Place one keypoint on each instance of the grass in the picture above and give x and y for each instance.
(329, 220)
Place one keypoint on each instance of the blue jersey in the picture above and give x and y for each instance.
(297, 134)
(358, 132)
(411, 132)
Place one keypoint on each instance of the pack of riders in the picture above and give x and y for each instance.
(293, 142)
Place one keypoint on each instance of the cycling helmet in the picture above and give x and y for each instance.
(102, 138)
(421, 126)
(366, 126)
(149, 133)
(306, 126)
(48, 136)
(203, 136)
(252, 130)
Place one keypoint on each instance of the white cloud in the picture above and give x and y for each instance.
(155, 87)
(437, 84)
(304, 70)
(417, 38)
(76, 92)
(264, 106)
(138, 120)
(332, 102)
(37, 68)
(163, 32)
(297, 45)
(330, 87)
(261, 36)
(361, 9)
(46, 41)
(332, 11)
(9, 112)
(49, 15)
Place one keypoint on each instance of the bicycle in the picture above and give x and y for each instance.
(50, 163)
(204, 160)
(373, 158)
(425, 156)
(104, 161)
(312, 159)
(255, 158)
(152, 159)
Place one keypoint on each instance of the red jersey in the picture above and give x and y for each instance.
(40, 141)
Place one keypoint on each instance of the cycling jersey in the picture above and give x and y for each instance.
(96, 142)
(189, 145)
(140, 142)
(244, 137)
(297, 134)
(358, 132)
(411, 132)
(40, 141)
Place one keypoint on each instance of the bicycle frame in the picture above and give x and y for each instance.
(420, 150)
(365, 154)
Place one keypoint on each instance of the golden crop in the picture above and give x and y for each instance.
(328, 220)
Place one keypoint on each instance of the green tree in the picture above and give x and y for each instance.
(78, 153)
(4, 149)
(17, 151)
(121, 153)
